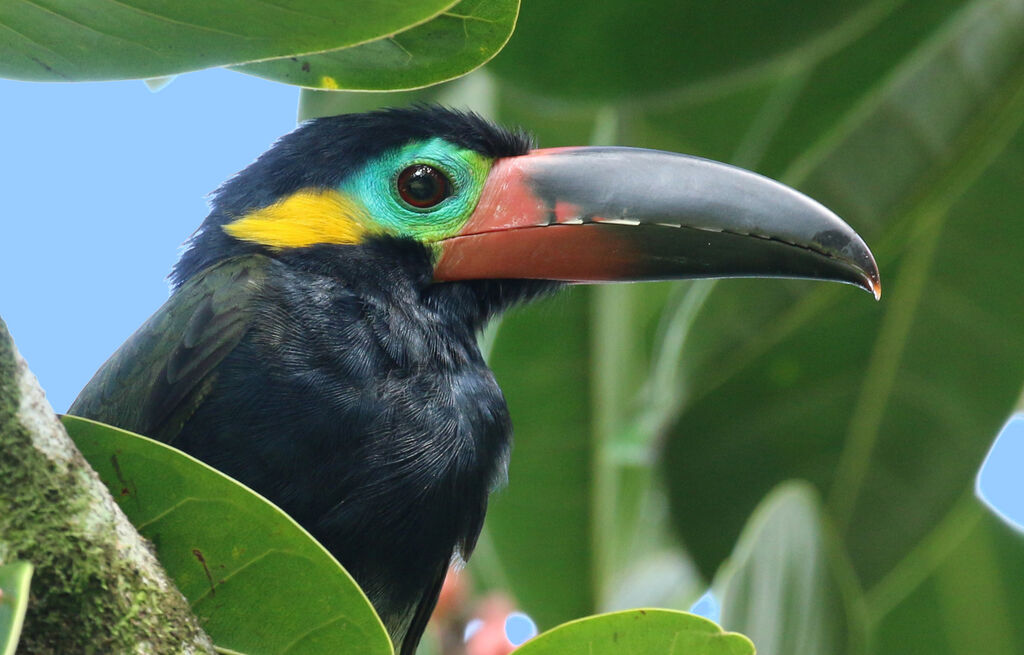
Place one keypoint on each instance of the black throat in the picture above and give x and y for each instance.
(356, 361)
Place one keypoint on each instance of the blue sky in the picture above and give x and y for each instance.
(102, 183)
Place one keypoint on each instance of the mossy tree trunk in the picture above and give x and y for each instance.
(97, 587)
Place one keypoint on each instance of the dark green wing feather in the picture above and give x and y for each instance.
(160, 375)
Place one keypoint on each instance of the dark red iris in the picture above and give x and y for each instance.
(423, 186)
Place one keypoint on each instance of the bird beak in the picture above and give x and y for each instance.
(623, 214)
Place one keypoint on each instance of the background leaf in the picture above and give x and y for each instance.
(257, 581)
(958, 594)
(888, 409)
(69, 40)
(639, 632)
(786, 586)
(15, 578)
(659, 47)
(453, 43)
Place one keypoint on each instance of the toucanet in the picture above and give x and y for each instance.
(320, 342)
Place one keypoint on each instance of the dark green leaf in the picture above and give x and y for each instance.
(258, 582)
(639, 632)
(65, 40)
(451, 44)
(959, 595)
(888, 408)
(14, 586)
(575, 49)
(774, 119)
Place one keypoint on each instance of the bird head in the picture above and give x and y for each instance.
(484, 205)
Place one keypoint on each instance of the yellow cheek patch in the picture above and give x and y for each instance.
(305, 218)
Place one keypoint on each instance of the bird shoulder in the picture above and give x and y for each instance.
(156, 379)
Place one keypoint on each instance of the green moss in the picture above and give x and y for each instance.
(84, 597)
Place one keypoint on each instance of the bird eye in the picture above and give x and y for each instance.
(423, 186)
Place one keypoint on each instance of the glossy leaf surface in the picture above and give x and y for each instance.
(451, 44)
(258, 582)
(639, 632)
(72, 40)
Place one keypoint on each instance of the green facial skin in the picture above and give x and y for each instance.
(376, 188)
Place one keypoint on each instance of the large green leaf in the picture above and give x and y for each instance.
(14, 585)
(451, 44)
(65, 40)
(960, 594)
(777, 118)
(575, 49)
(258, 582)
(787, 586)
(639, 632)
(888, 409)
